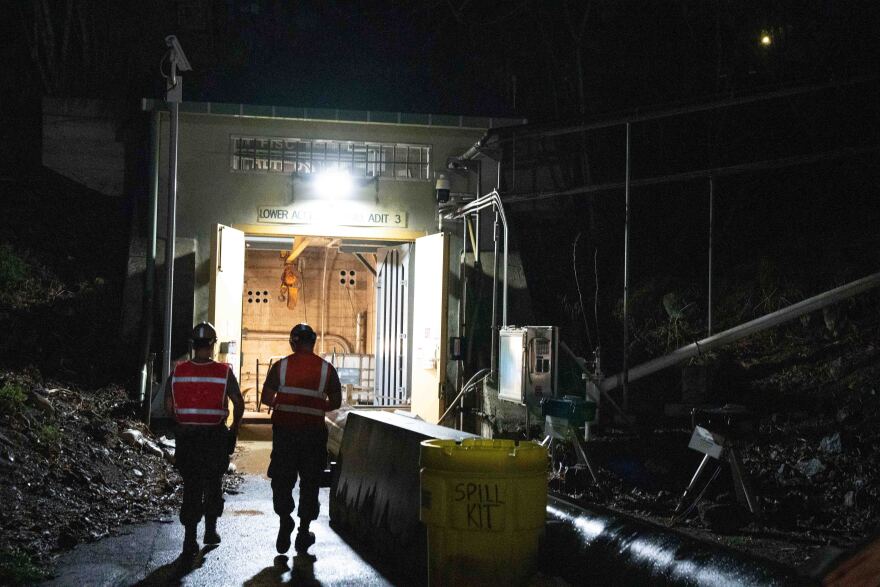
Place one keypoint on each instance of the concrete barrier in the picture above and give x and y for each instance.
(374, 498)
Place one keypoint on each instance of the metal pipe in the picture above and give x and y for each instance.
(462, 294)
(170, 236)
(625, 551)
(494, 346)
(523, 132)
(730, 170)
(149, 291)
(626, 277)
(479, 375)
(492, 199)
(148, 402)
(797, 310)
(477, 215)
(360, 257)
(500, 209)
(711, 243)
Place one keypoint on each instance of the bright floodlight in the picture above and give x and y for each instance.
(766, 40)
(333, 184)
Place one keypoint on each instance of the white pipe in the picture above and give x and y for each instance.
(492, 199)
(743, 330)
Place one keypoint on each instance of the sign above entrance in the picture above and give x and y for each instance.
(338, 214)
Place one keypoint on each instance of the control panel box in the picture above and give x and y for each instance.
(527, 363)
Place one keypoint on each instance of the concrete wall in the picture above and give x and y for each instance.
(82, 141)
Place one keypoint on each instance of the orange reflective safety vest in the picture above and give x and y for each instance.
(199, 392)
(301, 400)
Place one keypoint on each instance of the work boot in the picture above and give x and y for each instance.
(211, 536)
(190, 544)
(285, 529)
(304, 539)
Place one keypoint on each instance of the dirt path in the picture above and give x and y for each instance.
(147, 554)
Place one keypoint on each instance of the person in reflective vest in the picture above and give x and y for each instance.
(300, 388)
(197, 395)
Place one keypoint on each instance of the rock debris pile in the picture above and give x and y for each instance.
(74, 466)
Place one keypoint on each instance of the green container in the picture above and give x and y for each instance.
(575, 409)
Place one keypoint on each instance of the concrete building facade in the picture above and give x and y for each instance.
(251, 192)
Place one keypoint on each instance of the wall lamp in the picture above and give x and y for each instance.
(331, 185)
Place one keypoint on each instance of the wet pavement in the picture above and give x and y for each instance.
(147, 554)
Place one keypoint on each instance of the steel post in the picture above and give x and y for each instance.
(148, 297)
(626, 276)
(711, 244)
(170, 235)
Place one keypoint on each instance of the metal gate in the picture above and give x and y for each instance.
(392, 312)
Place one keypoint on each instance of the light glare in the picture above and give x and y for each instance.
(333, 184)
(766, 40)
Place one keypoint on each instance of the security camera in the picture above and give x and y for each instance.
(178, 57)
(441, 187)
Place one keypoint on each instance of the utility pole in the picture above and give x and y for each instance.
(173, 96)
(626, 405)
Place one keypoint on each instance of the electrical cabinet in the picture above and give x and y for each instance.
(527, 363)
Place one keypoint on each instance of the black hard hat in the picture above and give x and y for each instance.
(302, 333)
(203, 334)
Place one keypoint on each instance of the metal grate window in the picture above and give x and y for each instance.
(275, 155)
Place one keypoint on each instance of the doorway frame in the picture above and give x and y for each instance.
(399, 236)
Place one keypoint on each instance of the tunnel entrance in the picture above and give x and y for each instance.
(321, 281)
(378, 306)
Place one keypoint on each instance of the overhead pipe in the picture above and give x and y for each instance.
(525, 131)
(787, 314)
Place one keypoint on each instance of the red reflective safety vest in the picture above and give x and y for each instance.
(301, 400)
(199, 393)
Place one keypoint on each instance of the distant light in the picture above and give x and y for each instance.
(766, 40)
(332, 184)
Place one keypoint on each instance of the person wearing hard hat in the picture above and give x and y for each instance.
(197, 395)
(300, 388)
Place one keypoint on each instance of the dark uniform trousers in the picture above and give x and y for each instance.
(201, 455)
(301, 453)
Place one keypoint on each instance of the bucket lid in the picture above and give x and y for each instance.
(483, 455)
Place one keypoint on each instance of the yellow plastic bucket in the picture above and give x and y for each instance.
(484, 504)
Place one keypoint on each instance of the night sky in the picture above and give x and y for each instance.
(539, 59)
